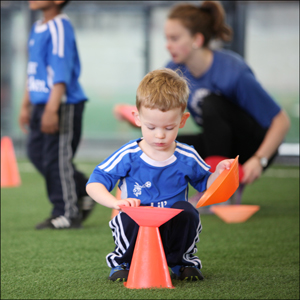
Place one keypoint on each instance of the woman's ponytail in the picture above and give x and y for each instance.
(219, 28)
(208, 19)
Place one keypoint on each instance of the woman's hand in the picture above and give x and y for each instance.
(252, 170)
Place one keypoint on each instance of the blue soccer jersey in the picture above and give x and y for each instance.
(53, 58)
(155, 183)
(232, 78)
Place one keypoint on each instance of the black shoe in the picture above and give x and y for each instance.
(186, 273)
(86, 206)
(119, 273)
(60, 222)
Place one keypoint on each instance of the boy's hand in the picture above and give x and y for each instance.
(127, 202)
(24, 118)
(223, 165)
(50, 122)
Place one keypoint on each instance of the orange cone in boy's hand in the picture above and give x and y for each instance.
(10, 176)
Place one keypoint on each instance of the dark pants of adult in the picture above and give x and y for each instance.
(227, 131)
(179, 237)
(52, 155)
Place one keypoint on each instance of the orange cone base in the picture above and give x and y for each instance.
(10, 176)
(148, 267)
(234, 213)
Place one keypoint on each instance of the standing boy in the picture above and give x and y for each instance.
(52, 107)
(155, 171)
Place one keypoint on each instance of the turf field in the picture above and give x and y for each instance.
(258, 259)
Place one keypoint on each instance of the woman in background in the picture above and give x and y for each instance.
(236, 114)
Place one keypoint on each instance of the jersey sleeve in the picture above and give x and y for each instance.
(61, 52)
(200, 182)
(254, 99)
(107, 179)
(109, 173)
(115, 167)
(194, 168)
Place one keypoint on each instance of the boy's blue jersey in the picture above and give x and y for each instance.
(155, 183)
(232, 78)
(53, 58)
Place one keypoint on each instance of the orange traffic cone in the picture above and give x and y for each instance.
(148, 255)
(10, 176)
(115, 211)
(149, 268)
(235, 213)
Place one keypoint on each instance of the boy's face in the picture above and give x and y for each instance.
(43, 5)
(159, 128)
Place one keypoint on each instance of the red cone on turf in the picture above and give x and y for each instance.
(10, 176)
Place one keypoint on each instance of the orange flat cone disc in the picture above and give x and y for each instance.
(126, 112)
(215, 159)
(234, 213)
(150, 216)
(223, 187)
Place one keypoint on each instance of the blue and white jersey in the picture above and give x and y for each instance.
(155, 183)
(232, 78)
(53, 58)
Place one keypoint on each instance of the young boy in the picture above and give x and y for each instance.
(155, 171)
(52, 108)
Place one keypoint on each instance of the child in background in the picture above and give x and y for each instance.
(155, 170)
(52, 108)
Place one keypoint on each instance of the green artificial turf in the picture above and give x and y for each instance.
(258, 259)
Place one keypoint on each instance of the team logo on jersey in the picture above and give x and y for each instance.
(196, 103)
(138, 188)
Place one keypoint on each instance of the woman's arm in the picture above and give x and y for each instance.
(273, 138)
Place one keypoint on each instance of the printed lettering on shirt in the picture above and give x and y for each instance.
(160, 204)
(31, 68)
(138, 188)
(37, 85)
(31, 42)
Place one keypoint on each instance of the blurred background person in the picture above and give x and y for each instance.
(51, 112)
(236, 114)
